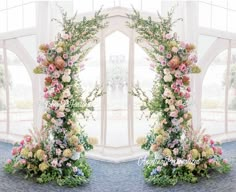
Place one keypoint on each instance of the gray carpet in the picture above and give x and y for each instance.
(123, 177)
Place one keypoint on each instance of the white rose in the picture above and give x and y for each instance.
(66, 93)
(172, 107)
(178, 103)
(168, 78)
(166, 71)
(59, 50)
(66, 78)
(62, 107)
(67, 71)
(56, 74)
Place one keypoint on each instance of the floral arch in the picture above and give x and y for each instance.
(56, 152)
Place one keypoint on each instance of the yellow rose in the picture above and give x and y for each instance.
(73, 140)
(154, 147)
(209, 152)
(43, 166)
(67, 153)
(80, 148)
(39, 154)
(24, 152)
(159, 139)
(195, 154)
(92, 140)
(167, 152)
(141, 140)
(190, 166)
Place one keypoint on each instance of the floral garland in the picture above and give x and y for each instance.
(56, 152)
(177, 151)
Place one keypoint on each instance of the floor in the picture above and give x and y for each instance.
(122, 177)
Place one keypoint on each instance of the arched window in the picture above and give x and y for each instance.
(16, 95)
(213, 95)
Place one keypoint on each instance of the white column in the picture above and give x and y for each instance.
(7, 85)
(130, 86)
(227, 86)
(104, 86)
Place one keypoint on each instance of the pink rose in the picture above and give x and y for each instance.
(45, 89)
(51, 68)
(46, 95)
(9, 161)
(187, 95)
(28, 138)
(206, 138)
(188, 89)
(182, 67)
(212, 142)
(14, 151)
(174, 113)
(225, 161)
(22, 142)
(60, 114)
(211, 161)
(23, 161)
(168, 36)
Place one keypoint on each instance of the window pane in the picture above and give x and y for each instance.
(92, 69)
(104, 4)
(213, 96)
(231, 21)
(117, 91)
(221, 3)
(204, 15)
(12, 3)
(15, 18)
(232, 4)
(82, 6)
(151, 5)
(3, 104)
(3, 4)
(131, 3)
(204, 43)
(29, 15)
(29, 43)
(144, 76)
(3, 21)
(232, 94)
(21, 99)
(219, 18)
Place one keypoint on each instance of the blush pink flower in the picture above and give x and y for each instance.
(60, 114)
(9, 161)
(51, 68)
(174, 113)
(168, 36)
(212, 142)
(211, 161)
(23, 161)
(22, 142)
(183, 68)
(161, 48)
(14, 151)
(187, 95)
(28, 138)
